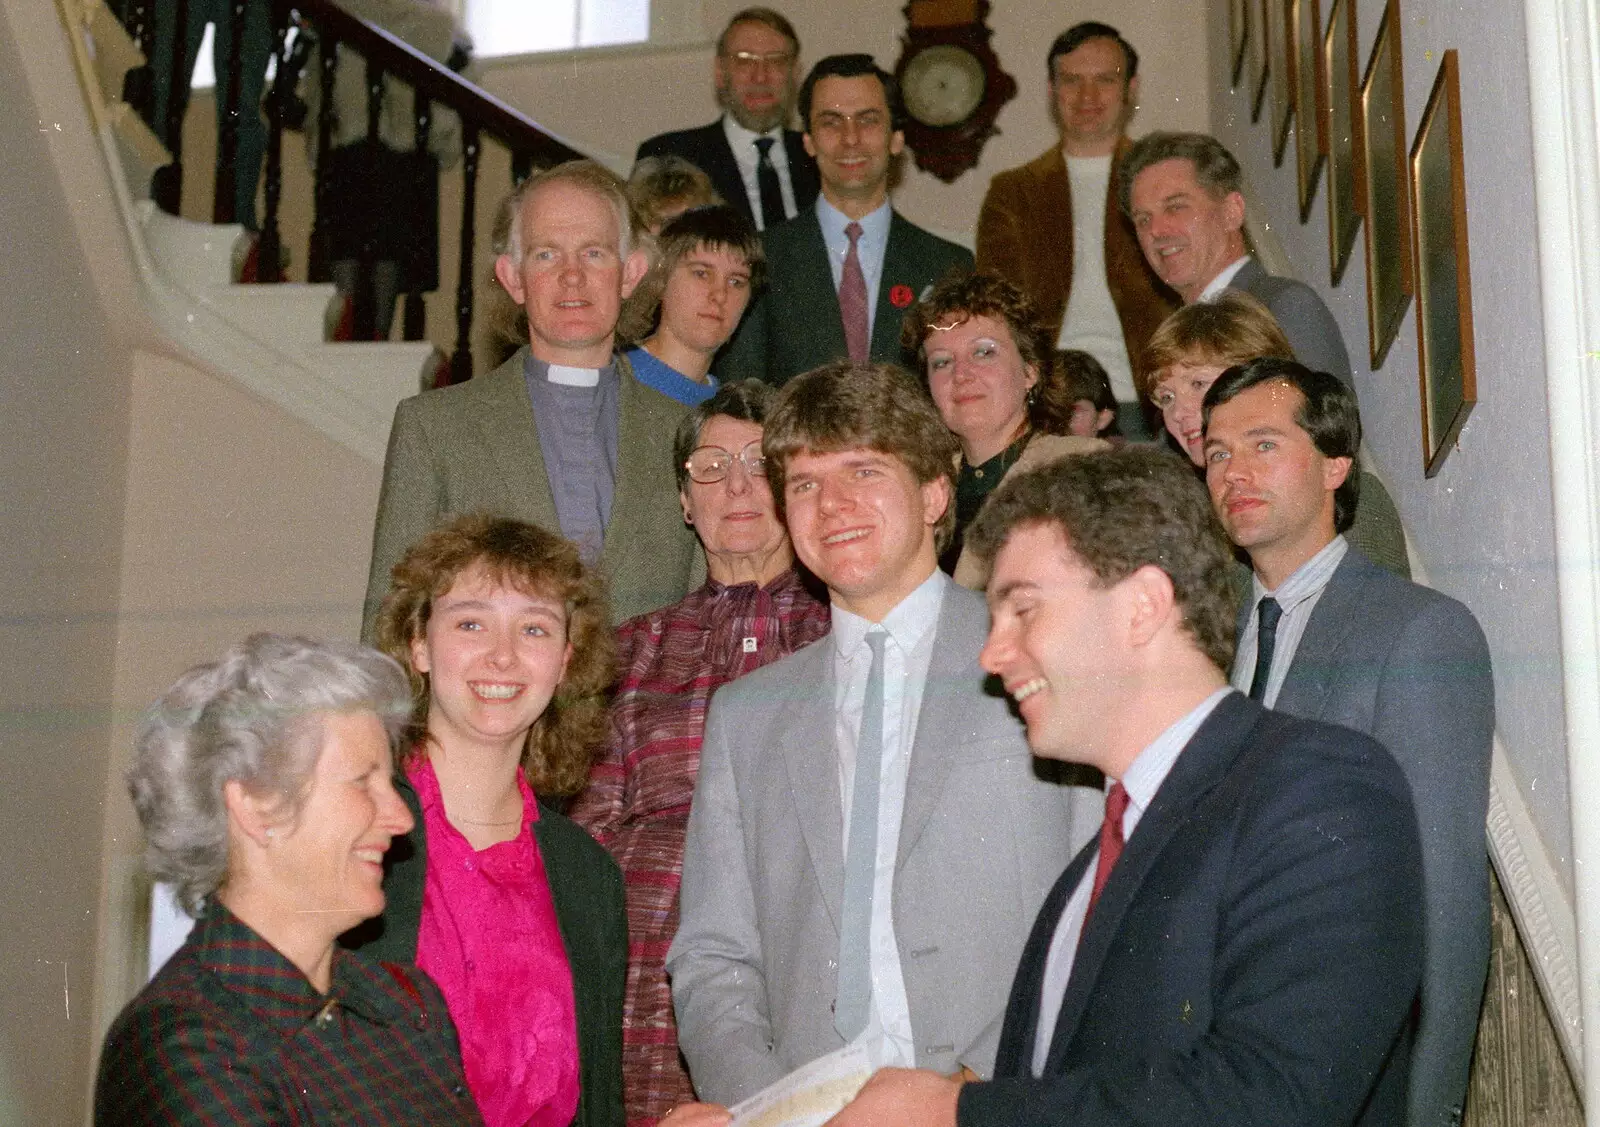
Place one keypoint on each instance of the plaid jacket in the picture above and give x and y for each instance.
(230, 1032)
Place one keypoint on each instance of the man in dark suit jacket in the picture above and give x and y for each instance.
(1028, 227)
(1244, 943)
(1330, 636)
(756, 164)
(562, 434)
(1182, 192)
(852, 113)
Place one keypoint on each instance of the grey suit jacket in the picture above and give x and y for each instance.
(982, 838)
(474, 447)
(1312, 331)
(1410, 667)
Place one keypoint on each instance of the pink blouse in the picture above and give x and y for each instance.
(490, 939)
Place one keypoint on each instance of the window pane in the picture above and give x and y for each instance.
(614, 21)
(518, 27)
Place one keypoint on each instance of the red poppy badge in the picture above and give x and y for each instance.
(901, 296)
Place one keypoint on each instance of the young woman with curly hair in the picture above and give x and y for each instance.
(514, 910)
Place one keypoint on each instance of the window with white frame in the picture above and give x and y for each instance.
(521, 27)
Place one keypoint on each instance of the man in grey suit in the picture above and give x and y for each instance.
(1328, 635)
(869, 838)
(842, 273)
(1182, 191)
(560, 435)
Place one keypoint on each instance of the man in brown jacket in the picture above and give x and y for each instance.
(1030, 233)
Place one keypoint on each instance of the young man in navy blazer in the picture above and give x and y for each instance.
(1244, 942)
(1347, 642)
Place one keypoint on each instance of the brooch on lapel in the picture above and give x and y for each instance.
(900, 296)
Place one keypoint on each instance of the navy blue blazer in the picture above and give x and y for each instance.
(1254, 957)
(794, 324)
(707, 149)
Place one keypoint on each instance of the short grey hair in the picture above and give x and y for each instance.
(586, 174)
(254, 715)
(1215, 168)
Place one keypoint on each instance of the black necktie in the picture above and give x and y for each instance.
(767, 180)
(1267, 614)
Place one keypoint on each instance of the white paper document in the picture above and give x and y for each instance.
(808, 1096)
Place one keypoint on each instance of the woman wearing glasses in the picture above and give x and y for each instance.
(753, 609)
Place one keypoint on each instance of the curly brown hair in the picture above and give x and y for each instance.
(984, 295)
(1121, 510)
(565, 739)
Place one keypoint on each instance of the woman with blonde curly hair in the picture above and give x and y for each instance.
(514, 910)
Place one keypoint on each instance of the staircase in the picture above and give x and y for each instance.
(270, 338)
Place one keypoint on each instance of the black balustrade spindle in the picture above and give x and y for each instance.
(317, 254)
(138, 84)
(415, 327)
(228, 111)
(364, 302)
(269, 268)
(461, 359)
(166, 186)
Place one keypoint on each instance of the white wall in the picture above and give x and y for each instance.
(1483, 526)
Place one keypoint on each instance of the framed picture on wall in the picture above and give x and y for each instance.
(1257, 48)
(1384, 188)
(1238, 39)
(1281, 71)
(1446, 362)
(1339, 128)
(1311, 126)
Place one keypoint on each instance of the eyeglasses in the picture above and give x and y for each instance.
(711, 464)
(749, 60)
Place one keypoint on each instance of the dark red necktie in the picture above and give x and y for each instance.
(853, 299)
(1110, 845)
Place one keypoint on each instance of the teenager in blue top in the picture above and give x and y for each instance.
(708, 263)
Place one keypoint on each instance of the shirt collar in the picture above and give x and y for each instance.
(874, 224)
(1308, 579)
(1220, 282)
(741, 139)
(273, 988)
(907, 624)
(1145, 774)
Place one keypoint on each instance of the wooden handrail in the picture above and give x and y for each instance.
(530, 144)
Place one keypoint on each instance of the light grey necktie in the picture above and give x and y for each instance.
(854, 997)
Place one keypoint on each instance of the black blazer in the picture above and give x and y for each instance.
(586, 886)
(1254, 957)
(707, 149)
(794, 324)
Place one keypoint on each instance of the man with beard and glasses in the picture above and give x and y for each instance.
(755, 163)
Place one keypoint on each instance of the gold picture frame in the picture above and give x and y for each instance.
(1238, 39)
(1260, 56)
(1308, 87)
(1280, 72)
(1446, 360)
(1339, 53)
(1385, 187)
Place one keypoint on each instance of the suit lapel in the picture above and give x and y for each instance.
(802, 172)
(510, 441)
(633, 474)
(817, 301)
(1203, 762)
(899, 269)
(1248, 278)
(1309, 682)
(806, 728)
(944, 722)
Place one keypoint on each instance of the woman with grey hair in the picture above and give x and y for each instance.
(264, 782)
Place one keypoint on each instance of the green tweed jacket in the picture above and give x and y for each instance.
(586, 886)
(474, 447)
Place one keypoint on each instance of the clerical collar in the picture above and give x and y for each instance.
(572, 377)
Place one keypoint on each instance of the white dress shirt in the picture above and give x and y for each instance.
(906, 657)
(1297, 597)
(745, 154)
(1216, 285)
(1142, 779)
(870, 248)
